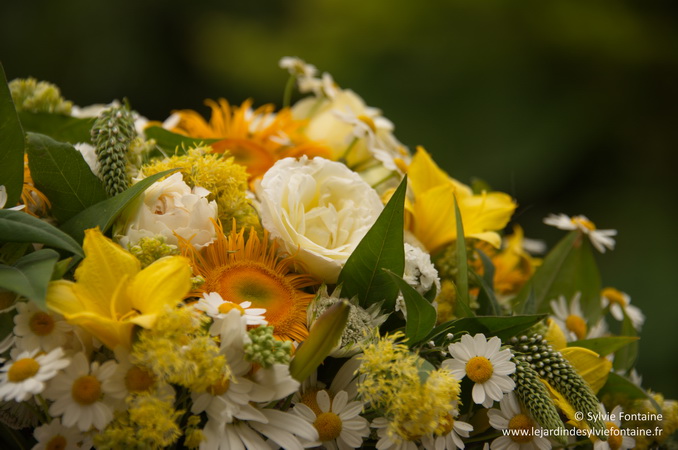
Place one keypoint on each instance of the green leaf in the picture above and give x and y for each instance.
(421, 315)
(104, 213)
(173, 142)
(530, 304)
(604, 345)
(381, 248)
(61, 173)
(58, 126)
(618, 385)
(569, 268)
(503, 327)
(626, 357)
(487, 301)
(30, 276)
(11, 145)
(21, 227)
(462, 261)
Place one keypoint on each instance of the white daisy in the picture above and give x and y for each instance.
(26, 375)
(56, 436)
(216, 307)
(485, 364)
(451, 440)
(254, 425)
(81, 396)
(620, 304)
(337, 421)
(616, 440)
(389, 440)
(130, 378)
(39, 329)
(520, 434)
(601, 239)
(570, 318)
(297, 67)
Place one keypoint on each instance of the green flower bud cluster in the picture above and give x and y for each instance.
(112, 134)
(536, 399)
(150, 249)
(559, 373)
(36, 96)
(266, 350)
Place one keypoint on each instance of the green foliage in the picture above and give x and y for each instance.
(174, 143)
(381, 248)
(604, 345)
(500, 326)
(22, 227)
(617, 384)
(57, 126)
(461, 284)
(11, 145)
(421, 315)
(30, 275)
(626, 357)
(61, 173)
(104, 213)
(487, 301)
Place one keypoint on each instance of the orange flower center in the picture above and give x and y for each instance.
(614, 296)
(615, 438)
(138, 379)
(220, 387)
(524, 428)
(479, 369)
(585, 223)
(577, 325)
(309, 398)
(41, 323)
(22, 370)
(328, 425)
(86, 390)
(226, 307)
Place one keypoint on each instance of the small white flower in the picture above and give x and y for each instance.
(81, 396)
(616, 440)
(216, 307)
(26, 375)
(420, 273)
(451, 440)
(485, 364)
(297, 67)
(511, 417)
(601, 239)
(570, 318)
(39, 329)
(337, 421)
(620, 304)
(54, 435)
(390, 441)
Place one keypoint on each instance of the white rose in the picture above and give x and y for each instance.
(319, 210)
(170, 207)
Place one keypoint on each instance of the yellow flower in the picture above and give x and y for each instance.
(112, 294)
(432, 218)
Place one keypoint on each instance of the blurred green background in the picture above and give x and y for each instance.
(569, 106)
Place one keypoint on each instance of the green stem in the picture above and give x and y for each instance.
(348, 150)
(383, 180)
(289, 87)
(45, 407)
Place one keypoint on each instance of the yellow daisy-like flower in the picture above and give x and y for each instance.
(112, 294)
(432, 217)
(257, 139)
(250, 271)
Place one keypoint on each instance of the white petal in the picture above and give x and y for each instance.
(478, 393)
(323, 399)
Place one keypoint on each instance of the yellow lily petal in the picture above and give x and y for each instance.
(555, 336)
(424, 174)
(487, 211)
(165, 282)
(589, 365)
(100, 272)
(62, 298)
(434, 222)
(564, 406)
(491, 237)
(111, 333)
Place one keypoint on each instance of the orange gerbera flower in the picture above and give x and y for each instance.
(257, 139)
(249, 270)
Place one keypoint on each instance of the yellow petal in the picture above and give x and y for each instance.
(99, 274)
(486, 212)
(62, 298)
(434, 222)
(555, 336)
(424, 174)
(589, 365)
(564, 406)
(110, 332)
(165, 282)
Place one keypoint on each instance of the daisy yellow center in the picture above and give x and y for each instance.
(448, 424)
(328, 425)
(369, 122)
(221, 387)
(585, 223)
(138, 379)
(58, 442)
(577, 325)
(614, 296)
(523, 426)
(86, 390)
(22, 370)
(615, 437)
(479, 369)
(41, 323)
(309, 399)
(226, 307)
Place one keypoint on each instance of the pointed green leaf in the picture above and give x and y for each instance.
(503, 327)
(604, 345)
(421, 315)
(381, 248)
(11, 145)
(18, 226)
(487, 301)
(30, 276)
(530, 304)
(58, 126)
(61, 173)
(173, 142)
(104, 213)
(462, 261)
(626, 356)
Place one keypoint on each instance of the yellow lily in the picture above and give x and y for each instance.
(112, 294)
(432, 218)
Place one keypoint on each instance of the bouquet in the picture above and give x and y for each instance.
(292, 278)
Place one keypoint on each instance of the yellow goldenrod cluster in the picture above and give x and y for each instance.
(392, 384)
(179, 350)
(221, 175)
(193, 434)
(658, 431)
(446, 299)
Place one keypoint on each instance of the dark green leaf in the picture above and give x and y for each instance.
(626, 356)
(18, 226)
(58, 126)
(462, 261)
(501, 326)
(421, 315)
(381, 248)
(30, 276)
(173, 142)
(487, 301)
(530, 304)
(11, 145)
(10, 252)
(618, 385)
(104, 213)
(61, 173)
(604, 345)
